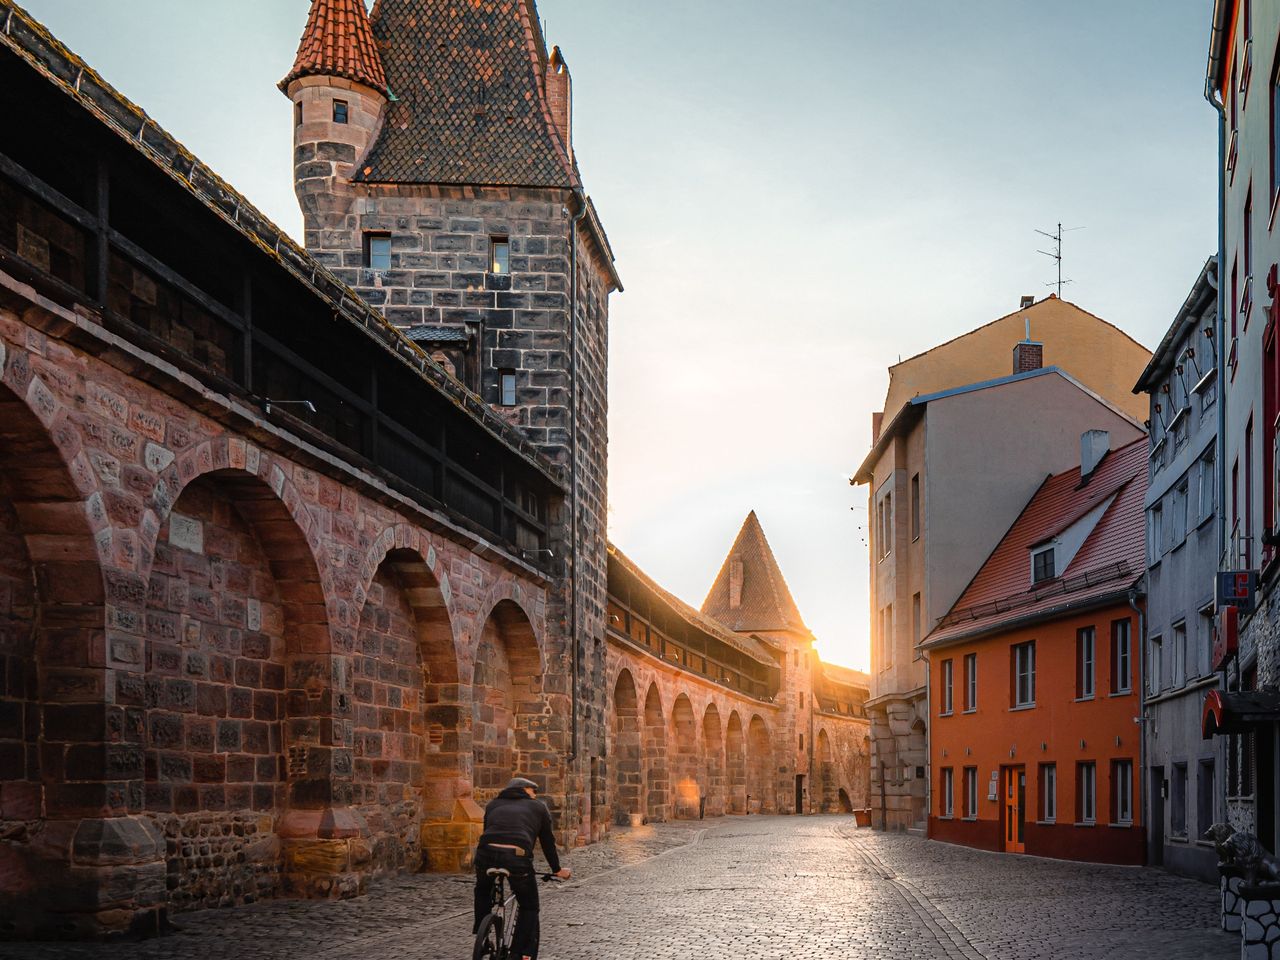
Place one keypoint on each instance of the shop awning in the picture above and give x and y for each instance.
(1226, 713)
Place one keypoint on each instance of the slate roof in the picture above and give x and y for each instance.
(338, 42)
(466, 78)
(423, 334)
(752, 647)
(1107, 563)
(766, 602)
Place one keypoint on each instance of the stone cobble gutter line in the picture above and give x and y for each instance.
(956, 945)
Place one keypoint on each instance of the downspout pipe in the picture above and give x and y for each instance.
(1220, 331)
(1142, 719)
(575, 644)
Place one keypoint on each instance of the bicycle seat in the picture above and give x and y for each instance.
(498, 872)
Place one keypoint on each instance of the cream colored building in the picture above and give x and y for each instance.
(950, 467)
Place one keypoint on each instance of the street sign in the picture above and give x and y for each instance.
(1235, 588)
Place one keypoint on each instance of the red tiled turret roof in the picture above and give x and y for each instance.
(338, 42)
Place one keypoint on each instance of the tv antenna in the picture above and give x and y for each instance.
(1056, 255)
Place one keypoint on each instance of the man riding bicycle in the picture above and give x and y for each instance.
(513, 821)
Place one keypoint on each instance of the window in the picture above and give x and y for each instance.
(802, 741)
(917, 619)
(1154, 667)
(500, 256)
(970, 682)
(948, 793)
(1122, 792)
(886, 637)
(297, 114)
(884, 522)
(1179, 517)
(801, 699)
(1206, 792)
(340, 111)
(971, 792)
(377, 251)
(1121, 657)
(1024, 674)
(507, 388)
(948, 672)
(1086, 792)
(1085, 663)
(1246, 534)
(1179, 656)
(1205, 483)
(1178, 802)
(1042, 565)
(1248, 255)
(915, 507)
(1048, 788)
(1155, 533)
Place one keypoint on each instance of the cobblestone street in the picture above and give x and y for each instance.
(758, 887)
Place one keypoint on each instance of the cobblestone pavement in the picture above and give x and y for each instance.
(763, 888)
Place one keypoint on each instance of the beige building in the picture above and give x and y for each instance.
(947, 474)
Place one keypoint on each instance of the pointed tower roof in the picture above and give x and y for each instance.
(338, 42)
(471, 105)
(750, 594)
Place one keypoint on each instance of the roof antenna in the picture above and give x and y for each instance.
(1056, 256)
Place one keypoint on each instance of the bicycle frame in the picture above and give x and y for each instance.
(504, 906)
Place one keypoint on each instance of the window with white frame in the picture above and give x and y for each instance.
(1086, 792)
(1048, 792)
(945, 694)
(1121, 657)
(884, 520)
(1179, 518)
(1122, 792)
(970, 682)
(948, 793)
(1155, 666)
(1042, 564)
(1024, 674)
(1205, 484)
(1086, 663)
(1179, 656)
(971, 792)
(1155, 533)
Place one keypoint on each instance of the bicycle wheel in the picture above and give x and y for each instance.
(489, 939)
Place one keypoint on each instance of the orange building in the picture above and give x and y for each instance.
(1034, 681)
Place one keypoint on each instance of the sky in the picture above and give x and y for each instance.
(798, 195)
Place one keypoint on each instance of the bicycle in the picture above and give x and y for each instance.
(493, 939)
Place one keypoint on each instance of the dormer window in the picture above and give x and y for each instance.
(1042, 565)
(340, 111)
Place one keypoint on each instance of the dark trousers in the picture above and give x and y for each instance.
(523, 883)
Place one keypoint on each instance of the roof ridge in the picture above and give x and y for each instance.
(338, 42)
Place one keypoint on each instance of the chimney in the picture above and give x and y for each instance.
(1028, 355)
(1027, 301)
(559, 88)
(1094, 445)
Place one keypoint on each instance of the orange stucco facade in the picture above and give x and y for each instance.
(998, 739)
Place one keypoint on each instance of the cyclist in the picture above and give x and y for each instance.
(513, 821)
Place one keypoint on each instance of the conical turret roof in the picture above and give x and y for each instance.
(750, 595)
(338, 42)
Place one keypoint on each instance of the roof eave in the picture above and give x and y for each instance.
(1217, 44)
(1026, 619)
(1203, 291)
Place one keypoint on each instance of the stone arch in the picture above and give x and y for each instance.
(827, 777)
(242, 709)
(509, 728)
(844, 804)
(684, 759)
(736, 765)
(408, 729)
(713, 761)
(761, 786)
(658, 800)
(626, 754)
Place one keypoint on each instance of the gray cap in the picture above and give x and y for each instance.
(522, 783)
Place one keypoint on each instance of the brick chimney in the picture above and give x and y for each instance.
(559, 87)
(1028, 355)
(1094, 445)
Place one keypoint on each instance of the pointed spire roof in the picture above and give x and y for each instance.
(750, 594)
(338, 42)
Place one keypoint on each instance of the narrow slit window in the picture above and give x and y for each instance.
(507, 388)
(341, 112)
(297, 114)
(500, 256)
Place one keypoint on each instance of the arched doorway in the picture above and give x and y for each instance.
(736, 764)
(627, 759)
(761, 785)
(846, 805)
(684, 759)
(238, 678)
(658, 798)
(508, 736)
(407, 764)
(826, 774)
(713, 762)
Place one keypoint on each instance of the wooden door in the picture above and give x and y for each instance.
(1015, 809)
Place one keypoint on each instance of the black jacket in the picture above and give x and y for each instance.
(517, 819)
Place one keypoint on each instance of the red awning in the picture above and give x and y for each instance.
(1226, 713)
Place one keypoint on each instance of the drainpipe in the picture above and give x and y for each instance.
(1142, 711)
(1220, 331)
(573, 467)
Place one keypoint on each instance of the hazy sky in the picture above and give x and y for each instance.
(798, 194)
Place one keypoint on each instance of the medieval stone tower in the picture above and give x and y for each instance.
(751, 596)
(434, 166)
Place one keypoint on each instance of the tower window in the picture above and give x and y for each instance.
(377, 251)
(297, 114)
(507, 388)
(340, 111)
(500, 255)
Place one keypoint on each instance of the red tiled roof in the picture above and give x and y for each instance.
(1108, 561)
(470, 108)
(338, 42)
(765, 603)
